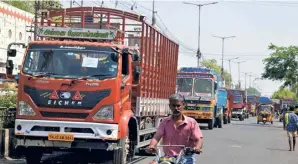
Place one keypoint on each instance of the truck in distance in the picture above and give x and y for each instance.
(199, 87)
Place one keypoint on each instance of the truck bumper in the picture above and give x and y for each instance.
(236, 115)
(34, 133)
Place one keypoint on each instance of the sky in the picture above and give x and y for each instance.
(255, 24)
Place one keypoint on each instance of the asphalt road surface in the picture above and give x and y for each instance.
(241, 142)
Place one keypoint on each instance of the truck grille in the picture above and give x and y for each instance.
(197, 102)
(64, 115)
(89, 99)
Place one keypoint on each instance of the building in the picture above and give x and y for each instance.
(13, 29)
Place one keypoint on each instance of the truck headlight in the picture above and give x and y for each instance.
(105, 113)
(25, 109)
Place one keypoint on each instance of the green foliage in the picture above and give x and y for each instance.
(23, 5)
(212, 64)
(9, 99)
(282, 65)
(284, 94)
(29, 6)
(253, 91)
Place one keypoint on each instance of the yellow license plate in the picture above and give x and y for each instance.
(264, 119)
(60, 137)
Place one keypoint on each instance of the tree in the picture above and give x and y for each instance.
(212, 64)
(28, 6)
(23, 5)
(283, 93)
(253, 91)
(281, 65)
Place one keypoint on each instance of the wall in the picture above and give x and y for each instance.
(13, 29)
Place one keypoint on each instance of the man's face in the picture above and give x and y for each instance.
(176, 107)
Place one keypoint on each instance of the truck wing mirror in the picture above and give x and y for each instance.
(135, 57)
(115, 56)
(12, 53)
(9, 67)
(136, 73)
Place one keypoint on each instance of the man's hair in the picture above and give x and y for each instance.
(292, 108)
(176, 97)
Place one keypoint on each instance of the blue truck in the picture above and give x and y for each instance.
(224, 102)
(200, 86)
(264, 100)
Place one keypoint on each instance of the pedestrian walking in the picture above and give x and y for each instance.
(290, 124)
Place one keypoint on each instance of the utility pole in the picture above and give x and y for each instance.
(199, 54)
(70, 4)
(101, 16)
(230, 71)
(222, 52)
(36, 9)
(153, 13)
(239, 83)
(82, 3)
(250, 80)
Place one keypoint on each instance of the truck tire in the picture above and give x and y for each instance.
(225, 119)
(210, 124)
(33, 156)
(241, 118)
(121, 155)
(229, 119)
(219, 122)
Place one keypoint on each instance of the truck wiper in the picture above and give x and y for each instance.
(98, 75)
(43, 74)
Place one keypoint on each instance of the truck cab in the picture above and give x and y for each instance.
(238, 110)
(80, 89)
(199, 89)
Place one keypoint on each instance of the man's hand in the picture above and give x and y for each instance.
(197, 149)
(150, 149)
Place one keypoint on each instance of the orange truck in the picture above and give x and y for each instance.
(96, 79)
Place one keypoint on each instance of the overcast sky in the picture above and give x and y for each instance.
(255, 25)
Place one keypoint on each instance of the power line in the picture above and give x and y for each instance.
(281, 4)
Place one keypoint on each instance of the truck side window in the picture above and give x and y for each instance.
(125, 64)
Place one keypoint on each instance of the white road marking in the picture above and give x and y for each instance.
(238, 146)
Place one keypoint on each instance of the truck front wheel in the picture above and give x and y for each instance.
(33, 156)
(126, 151)
(210, 124)
(219, 122)
(225, 119)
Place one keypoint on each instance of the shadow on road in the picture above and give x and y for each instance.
(267, 125)
(276, 149)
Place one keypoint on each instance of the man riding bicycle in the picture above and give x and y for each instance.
(177, 129)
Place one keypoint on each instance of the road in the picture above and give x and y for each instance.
(242, 142)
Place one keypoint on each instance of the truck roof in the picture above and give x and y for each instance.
(72, 42)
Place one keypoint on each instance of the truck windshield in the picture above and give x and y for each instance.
(203, 87)
(185, 85)
(70, 63)
(237, 100)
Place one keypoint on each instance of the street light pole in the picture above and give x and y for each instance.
(230, 70)
(199, 54)
(222, 52)
(239, 71)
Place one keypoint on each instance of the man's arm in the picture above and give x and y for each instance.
(158, 135)
(197, 135)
